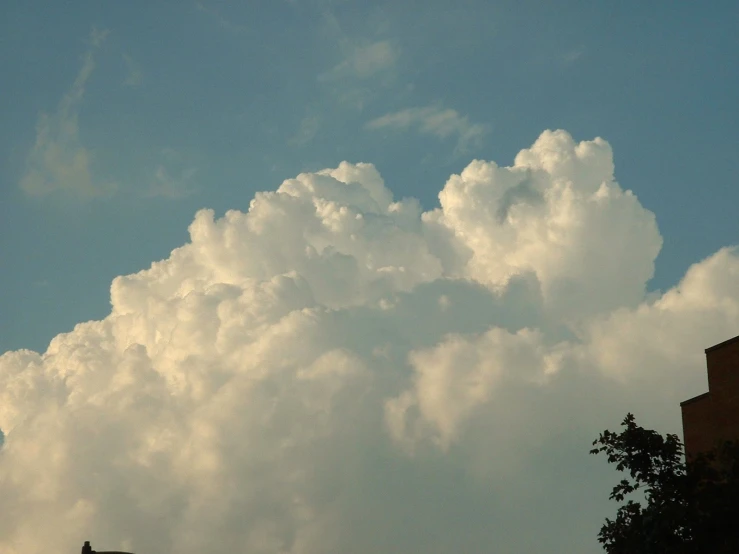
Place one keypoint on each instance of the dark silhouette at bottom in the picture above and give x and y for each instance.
(87, 549)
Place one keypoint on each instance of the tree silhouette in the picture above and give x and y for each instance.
(690, 509)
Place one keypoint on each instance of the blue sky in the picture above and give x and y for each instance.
(246, 96)
(324, 369)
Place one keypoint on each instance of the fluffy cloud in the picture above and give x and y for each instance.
(335, 370)
(437, 122)
(58, 161)
(558, 213)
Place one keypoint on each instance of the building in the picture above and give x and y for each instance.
(713, 417)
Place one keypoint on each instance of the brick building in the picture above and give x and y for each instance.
(713, 416)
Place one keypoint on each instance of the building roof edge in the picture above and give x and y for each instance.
(691, 400)
(722, 344)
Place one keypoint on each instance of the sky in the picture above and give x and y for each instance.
(327, 275)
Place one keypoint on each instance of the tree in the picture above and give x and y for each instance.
(690, 509)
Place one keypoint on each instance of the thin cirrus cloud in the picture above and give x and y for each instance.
(366, 61)
(361, 59)
(337, 371)
(364, 66)
(172, 178)
(134, 74)
(434, 121)
(58, 161)
(223, 22)
(306, 132)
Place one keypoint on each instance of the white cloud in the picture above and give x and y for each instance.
(134, 75)
(437, 122)
(58, 161)
(559, 213)
(337, 371)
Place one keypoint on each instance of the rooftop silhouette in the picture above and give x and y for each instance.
(713, 417)
(87, 549)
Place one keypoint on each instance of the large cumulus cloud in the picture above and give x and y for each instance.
(334, 370)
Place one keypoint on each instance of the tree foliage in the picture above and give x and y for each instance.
(687, 509)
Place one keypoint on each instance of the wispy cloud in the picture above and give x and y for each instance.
(218, 17)
(365, 61)
(307, 130)
(435, 121)
(172, 178)
(364, 69)
(134, 75)
(58, 161)
(364, 65)
(571, 56)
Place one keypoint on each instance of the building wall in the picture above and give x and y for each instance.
(713, 417)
